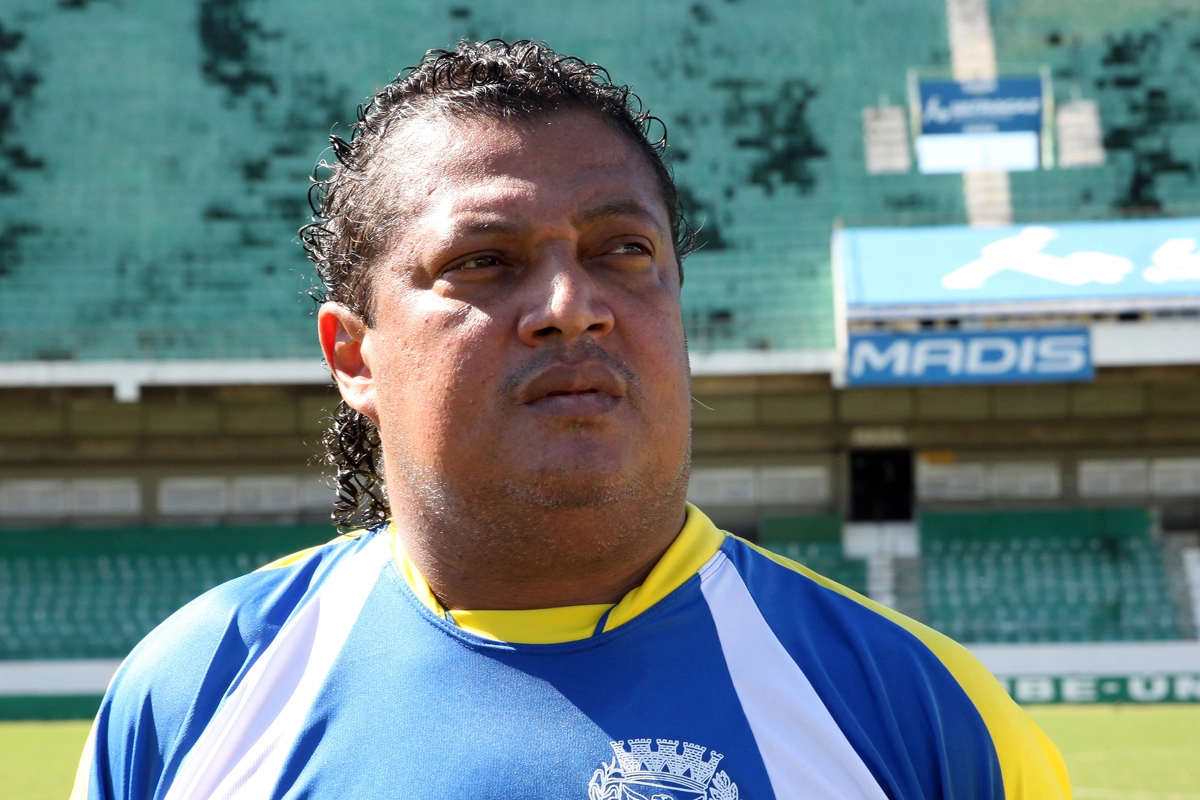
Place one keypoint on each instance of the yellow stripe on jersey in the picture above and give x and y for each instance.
(412, 576)
(533, 626)
(1057, 764)
(699, 541)
(1031, 766)
(297, 557)
(696, 543)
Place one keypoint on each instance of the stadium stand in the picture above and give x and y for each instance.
(1137, 60)
(150, 250)
(998, 577)
(1047, 576)
(150, 191)
(95, 593)
(1017, 576)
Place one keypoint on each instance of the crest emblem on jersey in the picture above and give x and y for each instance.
(661, 769)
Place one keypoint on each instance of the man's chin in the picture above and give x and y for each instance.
(574, 490)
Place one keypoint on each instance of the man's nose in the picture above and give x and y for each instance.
(563, 301)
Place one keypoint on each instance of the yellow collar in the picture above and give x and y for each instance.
(693, 547)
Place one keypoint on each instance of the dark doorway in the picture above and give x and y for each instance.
(881, 485)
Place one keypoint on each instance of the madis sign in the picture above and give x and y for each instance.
(1003, 356)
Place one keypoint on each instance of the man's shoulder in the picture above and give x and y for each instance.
(802, 605)
(886, 669)
(185, 666)
(170, 686)
(781, 586)
(236, 618)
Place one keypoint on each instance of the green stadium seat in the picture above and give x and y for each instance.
(95, 594)
(1046, 577)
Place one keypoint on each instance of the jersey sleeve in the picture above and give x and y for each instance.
(170, 686)
(1030, 766)
(1030, 763)
(173, 679)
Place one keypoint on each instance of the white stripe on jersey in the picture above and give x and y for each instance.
(83, 773)
(797, 737)
(241, 752)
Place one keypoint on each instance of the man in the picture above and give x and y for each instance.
(541, 615)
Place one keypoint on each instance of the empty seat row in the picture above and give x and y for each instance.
(1016, 589)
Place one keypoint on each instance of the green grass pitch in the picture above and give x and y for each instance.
(37, 759)
(1127, 752)
(1113, 752)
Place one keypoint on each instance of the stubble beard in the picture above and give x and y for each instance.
(542, 526)
(567, 519)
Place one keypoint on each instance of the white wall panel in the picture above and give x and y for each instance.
(105, 496)
(264, 494)
(1030, 480)
(33, 497)
(1116, 477)
(951, 481)
(1175, 477)
(193, 496)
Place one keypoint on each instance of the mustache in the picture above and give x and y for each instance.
(552, 355)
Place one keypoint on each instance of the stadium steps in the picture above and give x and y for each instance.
(910, 588)
(1176, 547)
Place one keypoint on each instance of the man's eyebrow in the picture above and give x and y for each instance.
(481, 227)
(620, 208)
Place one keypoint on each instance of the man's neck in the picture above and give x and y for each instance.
(529, 560)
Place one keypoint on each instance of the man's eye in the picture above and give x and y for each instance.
(478, 262)
(632, 248)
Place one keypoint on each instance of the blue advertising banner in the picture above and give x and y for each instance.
(958, 357)
(989, 106)
(1074, 261)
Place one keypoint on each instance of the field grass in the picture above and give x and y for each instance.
(1128, 752)
(37, 759)
(1113, 752)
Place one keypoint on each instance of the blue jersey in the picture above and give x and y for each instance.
(730, 673)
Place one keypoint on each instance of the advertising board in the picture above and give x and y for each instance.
(1004, 104)
(979, 125)
(1113, 265)
(974, 357)
(1142, 688)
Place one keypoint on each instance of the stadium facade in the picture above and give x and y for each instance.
(944, 320)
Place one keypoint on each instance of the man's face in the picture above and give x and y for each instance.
(526, 339)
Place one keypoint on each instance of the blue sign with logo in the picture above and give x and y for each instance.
(987, 106)
(960, 357)
(1103, 263)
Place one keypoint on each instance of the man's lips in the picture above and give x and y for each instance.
(580, 390)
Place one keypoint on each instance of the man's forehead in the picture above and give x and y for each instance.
(482, 137)
(482, 213)
(477, 143)
(481, 172)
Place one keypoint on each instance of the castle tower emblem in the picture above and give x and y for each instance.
(661, 769)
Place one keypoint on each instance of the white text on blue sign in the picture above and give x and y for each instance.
(1024, 356)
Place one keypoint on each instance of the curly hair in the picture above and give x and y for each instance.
(352, 221)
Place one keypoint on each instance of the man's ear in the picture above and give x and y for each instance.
(343, 337)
